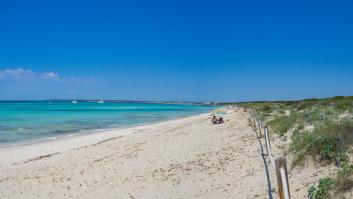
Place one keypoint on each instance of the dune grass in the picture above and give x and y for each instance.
(321, 130)
(330, 143)
(282, 124)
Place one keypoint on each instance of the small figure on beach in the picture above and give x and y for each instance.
(214, 120)
(220, 120)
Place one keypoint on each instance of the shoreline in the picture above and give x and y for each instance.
(12, 153)
(27, 122)
(181, 158)
(88, 132)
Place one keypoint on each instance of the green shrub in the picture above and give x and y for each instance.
(290, 103)
(267, 107)
(301, 142)
(305, 104)
(330, 143)
(341, 130)
(344, 180)
(308, 144)
(344, 105)
(282, 124)
(346, 169)
(322, 190)
(300, 126)
(313, 116)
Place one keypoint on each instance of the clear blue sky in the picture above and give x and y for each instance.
(176, 50)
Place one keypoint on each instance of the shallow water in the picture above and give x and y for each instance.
(34, 120)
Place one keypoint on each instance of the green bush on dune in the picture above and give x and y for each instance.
(329, 143)
(267, 107)
(282, 124)
(329, 188)
(322, 190)
(342, 130)
(313, 116)
(345, 106)
(307, 104)
(344, 180)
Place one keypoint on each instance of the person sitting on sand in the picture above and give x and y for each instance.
(214, 120)
(220, 120)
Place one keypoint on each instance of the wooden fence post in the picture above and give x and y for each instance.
(254, 126)
(281, 162)
(260, 130)
(267, 139)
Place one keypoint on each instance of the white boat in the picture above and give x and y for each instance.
(100, 102)
(74, 102)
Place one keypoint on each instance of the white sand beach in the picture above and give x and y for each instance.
(182, 158)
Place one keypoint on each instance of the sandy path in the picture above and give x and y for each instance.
(188, 158)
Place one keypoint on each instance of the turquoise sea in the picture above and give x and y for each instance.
(27, 121)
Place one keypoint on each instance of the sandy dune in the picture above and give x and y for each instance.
(183, 158)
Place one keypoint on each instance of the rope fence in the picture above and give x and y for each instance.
(279, 164)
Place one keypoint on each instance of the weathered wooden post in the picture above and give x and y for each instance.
(267, 140)
(254, 125)
(282, 178)
(260, 130)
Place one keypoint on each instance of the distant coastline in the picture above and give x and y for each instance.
(119, 101)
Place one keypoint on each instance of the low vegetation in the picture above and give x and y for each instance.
(282, 124)
(320, 130)
(344, 180)
(322, 190)
(328, 143)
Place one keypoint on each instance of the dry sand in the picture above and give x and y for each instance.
(182, 158)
